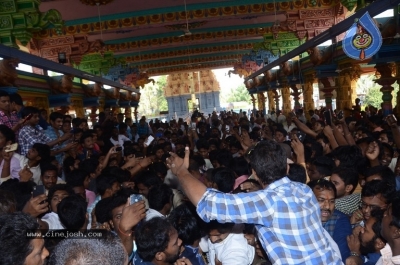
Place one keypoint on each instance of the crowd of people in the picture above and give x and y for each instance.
(226, 188)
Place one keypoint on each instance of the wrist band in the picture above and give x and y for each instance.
(355, 254)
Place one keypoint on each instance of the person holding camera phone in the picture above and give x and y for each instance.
(118, 139)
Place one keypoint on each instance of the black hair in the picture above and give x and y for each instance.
(29, 110)
(43, 150)
(384, 172)
(268, 160)
(4, 93)
(159, 167)
(348, 175)
(122, 175)
(7, 133)
(159, 196)
(8, 203)
(396, 210)
(75, 122)
(58, 187)
(322, 184)
(147, 178)
(16, 98)
(105, 206)
(375, 187)
(22, 191)
(224, 157)
(75, 178)
(324, 165)
(152, 237)
(85, 136)
(15, 245)
(105, 182)
(348, 155)
(68, 162)
(46, 166)
(282, 131)
(55, 115)
(72, 212)
(187, 225)
(323, 137)
(389, 147)
(220, 227)
(89, 166)
(224, 178)
(297, 173)
(240, 166)
(377, 226)
(202, 144)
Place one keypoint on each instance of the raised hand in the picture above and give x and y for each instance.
(36, 206)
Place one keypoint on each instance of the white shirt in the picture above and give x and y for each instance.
(233, 250)
(121, 139)
(387, 258)
(151, 213)
(23, 161)
(53, 221)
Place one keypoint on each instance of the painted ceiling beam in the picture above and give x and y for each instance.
(374, 9)
(177, 8)
(39, 62)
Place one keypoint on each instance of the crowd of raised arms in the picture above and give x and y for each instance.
(225, 188)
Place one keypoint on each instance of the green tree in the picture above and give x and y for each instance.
(373, 95)
(152, 99)
(239, 94)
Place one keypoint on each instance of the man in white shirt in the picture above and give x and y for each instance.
(118, 139)
(160, 201)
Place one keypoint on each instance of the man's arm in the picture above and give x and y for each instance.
(302, 127)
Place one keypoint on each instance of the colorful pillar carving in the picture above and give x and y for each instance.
(296, 96)
(271, 100)
(276, 99)
(286, 101)
(253, 101)
(347, 86)
(328, 85)
(386, 80)
(308, 101)
(261, 101)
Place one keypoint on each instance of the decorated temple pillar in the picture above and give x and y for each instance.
(253, 101)
(308, 101)
(271, 100)
(78, 107)
(386, 80)
(296, 96)
(286, 102)
(327, 85)
(261, 101)
(128, 112)
(347, 86)
(93, 115)
(276, 99)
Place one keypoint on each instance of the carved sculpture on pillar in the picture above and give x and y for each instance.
(276, 99)
(93, 115)
(347, 86)
(386, 80)
(308, 92)
(8, 73)
(286, 102)
(261, 101)
(61, 85)
(78, 106)
(253, 101)
(328, 86)
(296, 96)
(271, 100)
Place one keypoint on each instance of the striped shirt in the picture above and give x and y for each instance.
(287, 217)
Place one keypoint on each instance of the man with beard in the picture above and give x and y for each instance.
(158, 243)
(368, 243)
(336, 223)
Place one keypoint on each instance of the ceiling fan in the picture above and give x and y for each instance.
(186, 31)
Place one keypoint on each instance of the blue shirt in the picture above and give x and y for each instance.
(286, 215)
(339, 227)
(51, 133)
(371, 258)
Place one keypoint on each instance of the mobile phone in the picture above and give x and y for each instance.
(300, 135)
(134, 198)
(27, 118)
(38, 190)
(340, 115)
(193, 126)
(227, 128)
(328, 117)
(119, 148)
(391, 119)
(150, 139)
(11, 148)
